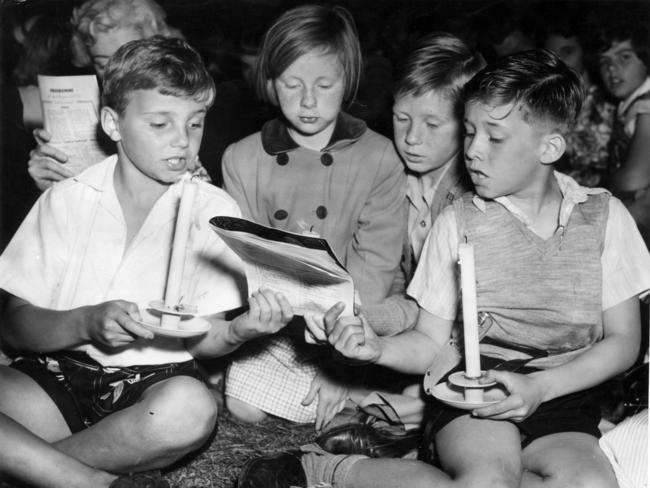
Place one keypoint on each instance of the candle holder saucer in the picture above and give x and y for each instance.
(460, 378)
(461, 391)
(454, 396)
(181, 310)
(190, 327)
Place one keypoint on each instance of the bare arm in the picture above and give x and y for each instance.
(30, 328)
(267, 313)
(615, 353)
(412, 351)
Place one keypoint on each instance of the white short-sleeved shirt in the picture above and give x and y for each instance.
(70, 251)
(625, 258)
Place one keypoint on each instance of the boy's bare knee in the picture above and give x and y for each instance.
(183, 414)
(244, 411)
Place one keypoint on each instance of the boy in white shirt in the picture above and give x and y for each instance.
(92, 392)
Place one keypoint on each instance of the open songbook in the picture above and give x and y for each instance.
(304, 268)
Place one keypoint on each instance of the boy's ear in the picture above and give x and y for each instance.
(553, 147)
(109, 120)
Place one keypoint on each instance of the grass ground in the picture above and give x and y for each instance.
(219, 464)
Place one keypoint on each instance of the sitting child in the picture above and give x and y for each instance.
(624, 57)
(317, 170)
(553, 279)
(427, 131)
(92, 392)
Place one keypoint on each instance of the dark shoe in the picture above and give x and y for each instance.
(278, 470)
(146, 479)
(360, 438)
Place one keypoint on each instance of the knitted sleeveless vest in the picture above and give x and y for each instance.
(543, 296)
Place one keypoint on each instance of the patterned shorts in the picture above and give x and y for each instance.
(85, 391)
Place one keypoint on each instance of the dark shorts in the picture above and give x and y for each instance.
(576, 412)
(85, 391)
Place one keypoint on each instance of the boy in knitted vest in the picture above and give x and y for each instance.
(559, 269)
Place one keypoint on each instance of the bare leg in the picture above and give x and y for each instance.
(244, 411)
(173, 418)
(30, 459)
(26, 456)
(566, 459)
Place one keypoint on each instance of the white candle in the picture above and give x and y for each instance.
(177, 259)
(470, 314)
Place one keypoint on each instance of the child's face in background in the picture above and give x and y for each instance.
(426, 130)
(310, 93)
(568, 49)
(621, 69)
(159, 134)
(502, 151)
(106, 43)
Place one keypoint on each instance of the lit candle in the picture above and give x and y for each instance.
(177, 259)
(470, 314)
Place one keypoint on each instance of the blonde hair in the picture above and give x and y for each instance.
(303, 29)
(101, 16)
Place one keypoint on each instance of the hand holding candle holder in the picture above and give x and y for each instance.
(178, 319)
(468, 389)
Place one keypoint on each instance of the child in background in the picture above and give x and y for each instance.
(427, 128)
(92, 392)
(315, 170)
(587, 155)
(559, 269)
(624, 57)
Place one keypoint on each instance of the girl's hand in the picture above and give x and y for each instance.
(268, 313)
(112, 324)
(351, 336)
(331, 399)
(525, 395)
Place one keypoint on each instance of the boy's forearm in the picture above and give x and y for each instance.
(219, 341)
(606, 359)
(614, 354)
(26, 327)
(410, 352)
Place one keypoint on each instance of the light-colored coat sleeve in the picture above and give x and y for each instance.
(375, 251)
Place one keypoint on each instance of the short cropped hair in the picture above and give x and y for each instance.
(301, 30)
(168, 65)
(537, 79)
(619, 29)
(94, 16)
(440, 62)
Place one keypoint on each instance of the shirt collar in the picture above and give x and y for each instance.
(572, 194)
(276, 138)
(446, 179)
(625, 104)
(102, 179)
(97, 178)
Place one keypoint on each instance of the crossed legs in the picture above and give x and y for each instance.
(172, 418)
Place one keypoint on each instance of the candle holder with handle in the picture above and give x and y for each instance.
(467, 389)
(176, 318)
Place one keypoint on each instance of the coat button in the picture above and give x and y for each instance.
(326, 159)
(321, 212)
(281, 214)
(282, 159)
